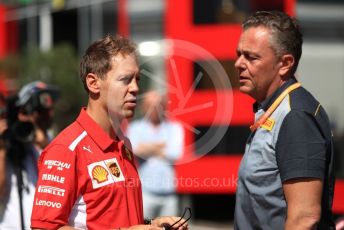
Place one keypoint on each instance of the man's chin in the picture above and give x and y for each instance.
(129, 114)
(245, 89)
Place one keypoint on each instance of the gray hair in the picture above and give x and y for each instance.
(286, 37)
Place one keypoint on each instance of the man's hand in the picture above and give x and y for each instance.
(167, 221)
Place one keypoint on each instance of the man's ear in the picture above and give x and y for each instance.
(93, 83)
(287, 63)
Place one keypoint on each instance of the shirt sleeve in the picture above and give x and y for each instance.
(300, 148)
(56, 188)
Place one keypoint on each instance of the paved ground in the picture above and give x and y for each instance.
(203, 225)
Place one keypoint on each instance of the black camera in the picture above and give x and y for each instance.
(33, 97)
(18, 134)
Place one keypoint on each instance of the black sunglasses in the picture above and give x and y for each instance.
(187, 209)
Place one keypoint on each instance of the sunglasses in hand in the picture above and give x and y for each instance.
(186, 210)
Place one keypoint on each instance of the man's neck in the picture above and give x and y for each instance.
(272, 88)
(102, 118)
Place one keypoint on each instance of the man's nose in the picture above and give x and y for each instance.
(239, 63)
(134, 86)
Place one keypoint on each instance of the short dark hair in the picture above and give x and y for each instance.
(286, 37)
(97, 58)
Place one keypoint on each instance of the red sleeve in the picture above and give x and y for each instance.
(56, 189)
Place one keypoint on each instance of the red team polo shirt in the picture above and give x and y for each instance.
(87, 180)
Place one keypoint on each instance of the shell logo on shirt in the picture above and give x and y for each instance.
(99, 174)
(105, 172)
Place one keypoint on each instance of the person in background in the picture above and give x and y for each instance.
(158, 142)
(28, 117)
(286, 176)
(87, 174)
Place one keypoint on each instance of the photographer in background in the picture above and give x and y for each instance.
(29, 117)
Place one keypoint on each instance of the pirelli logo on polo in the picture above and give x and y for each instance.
(51, 190)
(268, 124)
(105, 172)
(58, 164)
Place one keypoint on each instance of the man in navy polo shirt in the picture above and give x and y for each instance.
(286, 175)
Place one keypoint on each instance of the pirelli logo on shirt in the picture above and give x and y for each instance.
(51, 190)
(105, 172)
(268, 124)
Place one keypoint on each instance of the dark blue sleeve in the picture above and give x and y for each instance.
(300, 148)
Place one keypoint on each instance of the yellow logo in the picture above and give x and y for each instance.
(99, 174)
(268, 124)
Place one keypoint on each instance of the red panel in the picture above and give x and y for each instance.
(209, 174)
(289, 7)
(3, 46)
(3, 35)
(123, 18)
(179, 79)
(12, 38)
(241, 104)
(220, 40)
(338, 202)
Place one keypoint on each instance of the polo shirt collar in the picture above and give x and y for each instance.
(268, 101)
(99, 136)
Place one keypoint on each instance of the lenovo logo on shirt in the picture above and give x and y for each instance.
(51, 190)
(47, 203)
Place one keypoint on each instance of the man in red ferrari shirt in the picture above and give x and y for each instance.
(87, 176)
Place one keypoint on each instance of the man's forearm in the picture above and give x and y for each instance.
(302, 222)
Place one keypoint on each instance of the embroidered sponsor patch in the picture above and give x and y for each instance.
(58, 164)
(100, 174)
(51, 190)
(54, 178)
(268, 124)
(105, 172)
(48, 203)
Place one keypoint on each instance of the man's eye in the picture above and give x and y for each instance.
(125, 79)
(251, 58)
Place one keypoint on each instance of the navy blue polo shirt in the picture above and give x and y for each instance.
(294, 142)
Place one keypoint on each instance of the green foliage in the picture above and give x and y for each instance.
(58, 66)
